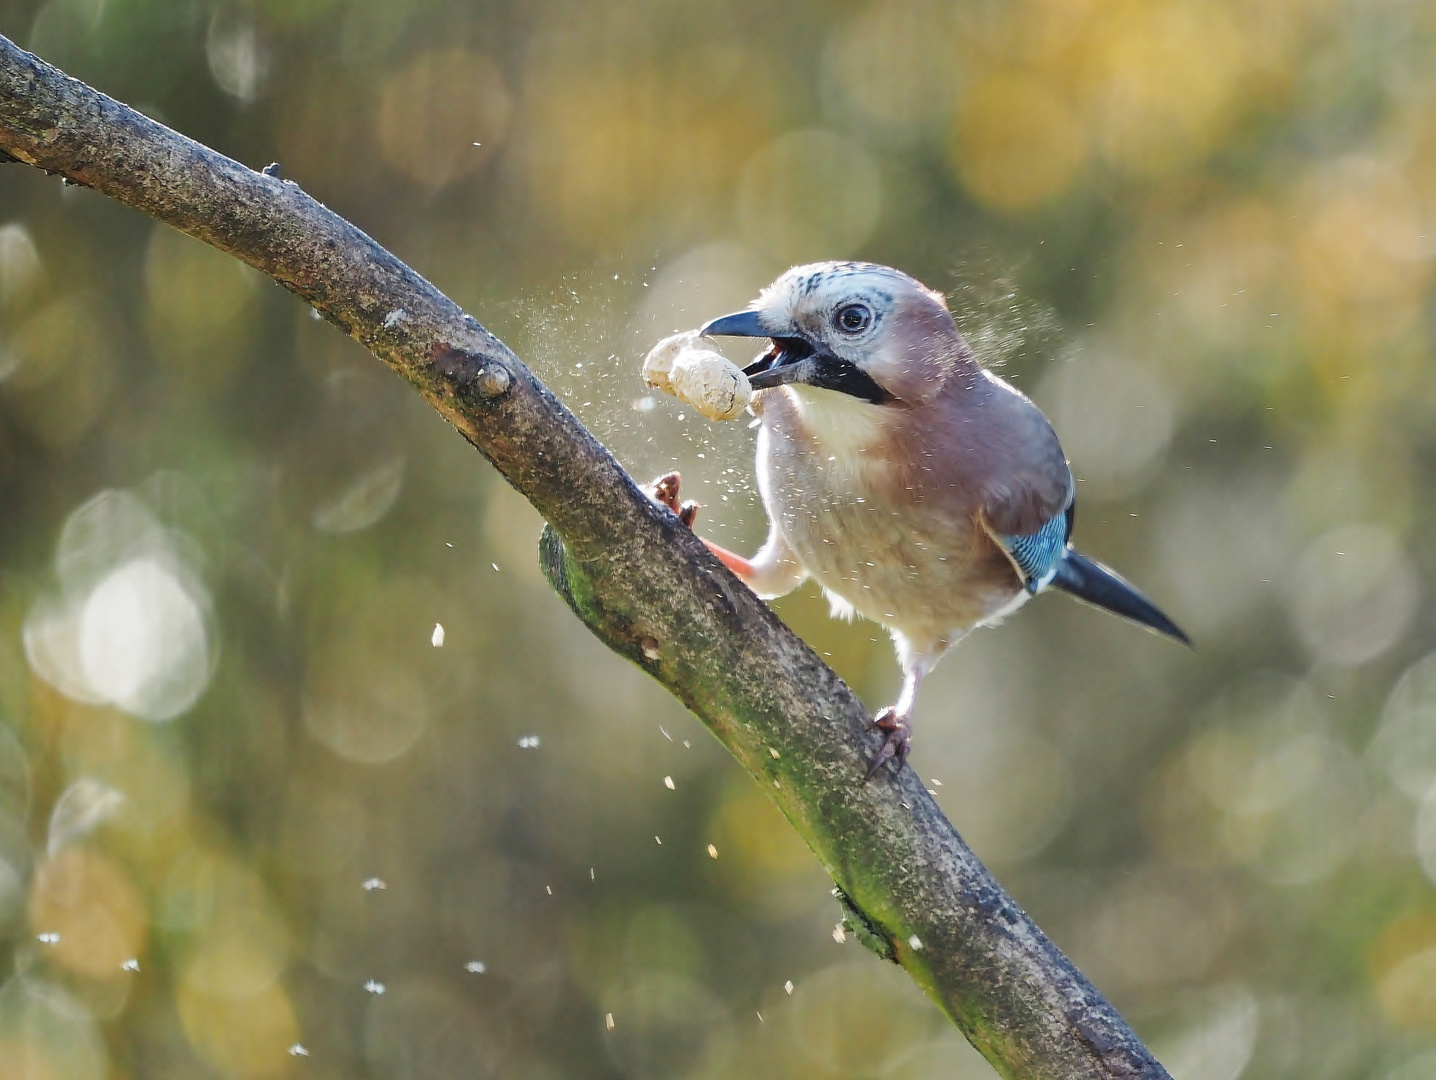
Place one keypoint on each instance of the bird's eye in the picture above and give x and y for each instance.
(853, 318)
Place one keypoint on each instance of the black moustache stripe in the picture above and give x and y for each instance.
(794, 360)
(845, 377)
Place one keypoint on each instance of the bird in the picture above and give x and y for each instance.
(916, 487)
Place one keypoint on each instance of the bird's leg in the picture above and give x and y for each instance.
(665, 491)
(896, 722)
(746, 571)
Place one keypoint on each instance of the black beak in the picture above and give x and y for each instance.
(780, 364)
(793, 359)
(739, 324)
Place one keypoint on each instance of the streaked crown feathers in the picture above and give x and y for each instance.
(885, 321)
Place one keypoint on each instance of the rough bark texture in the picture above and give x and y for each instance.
(640, 581)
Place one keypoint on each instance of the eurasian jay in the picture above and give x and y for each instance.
(919, 489)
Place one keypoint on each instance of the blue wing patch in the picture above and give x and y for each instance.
(1037, 554)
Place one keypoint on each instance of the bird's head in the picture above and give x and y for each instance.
(860, 329)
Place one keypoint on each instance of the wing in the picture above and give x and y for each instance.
(1021, 472)
(1030, 515)
(1037, 555)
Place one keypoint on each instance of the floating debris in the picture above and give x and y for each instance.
(548, 889)
(668, 783)
(660, 840)
(436, 639)
(773, 752)
(788, 986)
(374, 986)
(712, 852)
(839, 934)
(297, 1050)
(936, 782)
(915, 942)
(665, 733)
(476, 967)
(760, 1016)
(373, 883)
(48, 938)
(132, 964)
(528, 742)
(608, 1021)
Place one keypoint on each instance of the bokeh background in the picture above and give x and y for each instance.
(261, 817)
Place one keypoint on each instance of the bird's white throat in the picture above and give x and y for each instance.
(848, 427)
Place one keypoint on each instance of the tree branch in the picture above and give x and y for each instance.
(639, 580)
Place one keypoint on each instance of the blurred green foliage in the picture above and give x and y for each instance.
(252, 800)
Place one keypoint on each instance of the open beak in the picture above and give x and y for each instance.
(783, 363)
(793, 359)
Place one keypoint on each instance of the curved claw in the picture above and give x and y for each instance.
(897, 744)
(664, 491)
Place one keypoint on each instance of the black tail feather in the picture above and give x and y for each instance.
(1089, 580)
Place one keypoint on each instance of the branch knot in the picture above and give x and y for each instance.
(466, 371)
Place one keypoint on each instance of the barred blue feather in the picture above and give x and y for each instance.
(1037, 554)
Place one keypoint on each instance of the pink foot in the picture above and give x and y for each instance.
(896, 745)
(664, 491)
